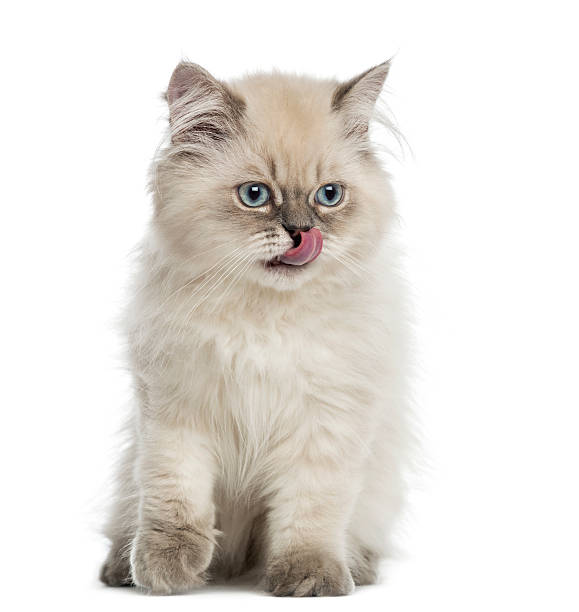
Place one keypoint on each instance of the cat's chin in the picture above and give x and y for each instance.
(283, 277)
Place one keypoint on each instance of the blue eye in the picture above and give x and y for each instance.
(329, 195)
(253, 194)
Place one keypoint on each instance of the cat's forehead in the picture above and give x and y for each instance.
(291, 124)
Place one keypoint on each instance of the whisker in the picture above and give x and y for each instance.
(354, 262)
(346, 264)
(233, 258)
(220, 281)
(237, 277)
(219, 261)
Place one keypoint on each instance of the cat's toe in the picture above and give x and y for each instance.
(170, 559)
(308, 574)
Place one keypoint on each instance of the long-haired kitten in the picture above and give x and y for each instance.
(267, 344)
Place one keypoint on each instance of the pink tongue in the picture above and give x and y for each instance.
(308, 249)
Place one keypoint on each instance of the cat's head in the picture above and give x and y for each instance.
(254, 164)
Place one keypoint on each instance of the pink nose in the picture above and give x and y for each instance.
(308, 248)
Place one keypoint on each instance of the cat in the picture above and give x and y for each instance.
(267, 343)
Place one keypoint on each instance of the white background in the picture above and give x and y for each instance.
(486, 95)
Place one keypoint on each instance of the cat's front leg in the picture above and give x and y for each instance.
(174, 541)
(308, 515)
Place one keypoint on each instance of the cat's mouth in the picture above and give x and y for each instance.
(307, 246)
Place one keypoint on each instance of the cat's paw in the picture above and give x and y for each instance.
(116, 570)
(364, 567)
(308, 574)
(170, 559)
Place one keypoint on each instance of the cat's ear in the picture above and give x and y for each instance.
(355, 99)
(202, 109)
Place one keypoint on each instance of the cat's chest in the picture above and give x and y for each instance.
(277, 368)
(276, 351)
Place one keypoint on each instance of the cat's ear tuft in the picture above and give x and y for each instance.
(355, 99)
(184, 78)
(201, 108)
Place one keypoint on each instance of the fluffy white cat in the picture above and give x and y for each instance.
(267, 341)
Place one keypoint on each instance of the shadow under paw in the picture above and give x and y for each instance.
(307, 574)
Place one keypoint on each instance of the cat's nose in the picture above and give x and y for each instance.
(294, 230)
